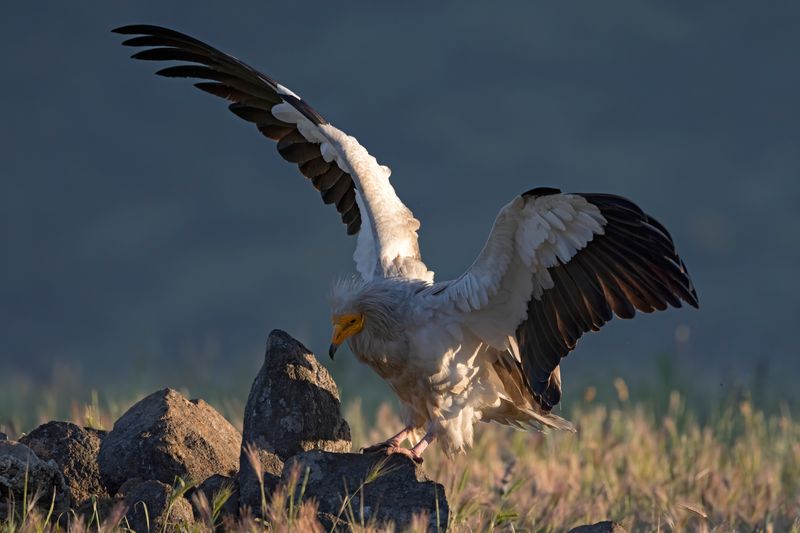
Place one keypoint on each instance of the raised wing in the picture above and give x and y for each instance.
(558, 265)
(337, 165)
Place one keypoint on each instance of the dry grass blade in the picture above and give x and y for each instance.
(739, 470)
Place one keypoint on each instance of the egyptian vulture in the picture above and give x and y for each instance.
(485, 346)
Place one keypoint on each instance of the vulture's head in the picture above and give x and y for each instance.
(358, 307)
(347, 311)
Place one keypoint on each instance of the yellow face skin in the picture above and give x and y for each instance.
(344, 327)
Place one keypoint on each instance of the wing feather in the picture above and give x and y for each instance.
(558, 265)
(334, 162)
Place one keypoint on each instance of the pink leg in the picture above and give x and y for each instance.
(421, 445)
(392, 442)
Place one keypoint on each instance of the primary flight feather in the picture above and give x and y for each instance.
(487, 345)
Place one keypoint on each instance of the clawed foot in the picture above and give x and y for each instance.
(391, 448)
(404, 451)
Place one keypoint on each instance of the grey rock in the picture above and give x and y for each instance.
(293, 407)
(127, 487)
(388, 489)
(600, 527)
(164, 512)
(210, 488)
(106, 512)
(255, 462)
(74, 449)
(3, 436)
(166, 435)
(19, 466)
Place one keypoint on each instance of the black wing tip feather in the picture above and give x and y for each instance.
(550, 395)
(152, 31)
(134, 29)
(164, 44)
(128, 29)
(618, 207)
(149, 29)
(632, 266)
(253, 95)
(540, 191)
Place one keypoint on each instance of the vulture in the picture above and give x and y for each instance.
(485, 346)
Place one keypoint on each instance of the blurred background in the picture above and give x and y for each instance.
(149, 238)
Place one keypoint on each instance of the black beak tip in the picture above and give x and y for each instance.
(332, 350)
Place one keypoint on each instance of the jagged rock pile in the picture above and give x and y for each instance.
(166, 443)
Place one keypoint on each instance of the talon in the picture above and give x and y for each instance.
(392, 450)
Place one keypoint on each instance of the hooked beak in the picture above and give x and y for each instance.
(336, 339)
(344, 327)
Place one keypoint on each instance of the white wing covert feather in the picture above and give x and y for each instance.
(529, 236)
(394, 228)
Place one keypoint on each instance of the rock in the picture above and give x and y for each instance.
(293, 407)
(3, 436)
(74, 449)
(600, 527)
(19, 465)
(127, 487)
(388, 489)
(166, 435)
(162, 514)
(209, 489)
(108, 511)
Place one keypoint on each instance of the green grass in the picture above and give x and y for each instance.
(648, 466)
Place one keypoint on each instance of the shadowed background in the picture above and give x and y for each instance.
(148, 237)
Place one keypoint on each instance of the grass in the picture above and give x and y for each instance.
(650, 468)
(738, 471)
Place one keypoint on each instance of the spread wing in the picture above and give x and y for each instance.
(558, 265)
(337, 165)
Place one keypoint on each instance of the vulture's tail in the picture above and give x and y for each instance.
(552, 421)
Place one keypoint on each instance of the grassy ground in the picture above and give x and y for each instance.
(737, 470)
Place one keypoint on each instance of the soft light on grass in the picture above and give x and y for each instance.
(737, 470)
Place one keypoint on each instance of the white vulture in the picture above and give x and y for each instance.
(485, 346)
